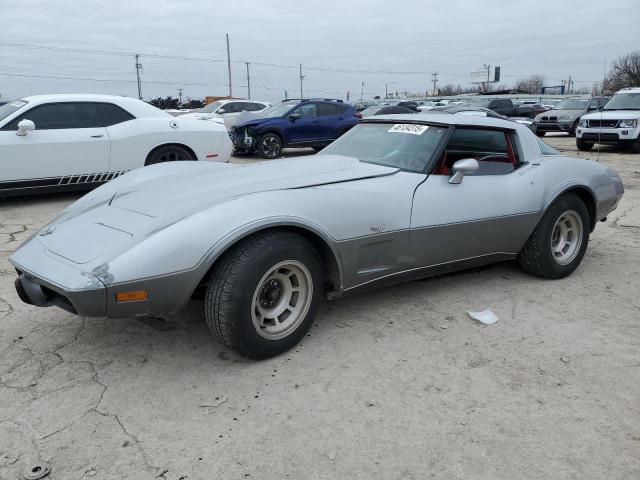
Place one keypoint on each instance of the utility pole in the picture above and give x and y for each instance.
(434, 79)
(180, 95)
(248, 82)
(138, 69)
(386, 90)
(301, 78)
(361, 91)
(570, 84)
(229, 67)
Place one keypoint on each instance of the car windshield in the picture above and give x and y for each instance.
(277, 110)
(407, 146)
(624, 101)
(212, 107)
(573, 104)
(370, 111)
(8, 108)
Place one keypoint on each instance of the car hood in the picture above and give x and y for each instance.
(214, 117)
(254, 121)
(613, 115)
(200, 185)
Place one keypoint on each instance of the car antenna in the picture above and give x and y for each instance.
(604, 77)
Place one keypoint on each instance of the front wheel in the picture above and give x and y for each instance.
(557, 245)
(270, 146)
(540, 133)
(635, 147)
(583, 146)
(263, 295)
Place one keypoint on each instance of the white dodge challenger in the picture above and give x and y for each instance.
(74, 142)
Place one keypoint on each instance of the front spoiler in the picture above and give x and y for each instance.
(38, 292)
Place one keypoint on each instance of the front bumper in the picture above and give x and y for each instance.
(608, 135)
(46, 280)
(559, 126)
(242, 141)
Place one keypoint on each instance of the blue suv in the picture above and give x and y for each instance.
(294, 123)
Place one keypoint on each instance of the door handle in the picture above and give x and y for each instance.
(97, 135)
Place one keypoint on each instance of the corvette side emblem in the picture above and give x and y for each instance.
(47, 231)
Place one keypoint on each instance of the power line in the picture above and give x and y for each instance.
(152, 82)
(200, 59)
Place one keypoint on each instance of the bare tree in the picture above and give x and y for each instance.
(531, 84)
(624, 72)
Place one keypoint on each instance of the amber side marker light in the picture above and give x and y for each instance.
(134, 296)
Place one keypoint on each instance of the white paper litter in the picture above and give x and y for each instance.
(485, 316)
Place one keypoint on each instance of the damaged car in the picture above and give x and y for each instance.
(293, 123)
(394, 199)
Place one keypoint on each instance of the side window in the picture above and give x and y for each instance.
(252, 106)
(231, 107)
(59, 116)
(308, 110)
(326, 109)
(493, 149)
(111, 114)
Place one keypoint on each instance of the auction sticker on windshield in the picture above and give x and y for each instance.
(408, 128)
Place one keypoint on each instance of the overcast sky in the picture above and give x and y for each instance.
(453, 38)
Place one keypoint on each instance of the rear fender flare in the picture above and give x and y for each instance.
(582, 190)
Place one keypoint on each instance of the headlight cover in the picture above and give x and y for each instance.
(564, 117)
(628, 123)
(583, 123)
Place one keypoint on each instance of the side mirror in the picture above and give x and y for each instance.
(463, 167)
(221, 110)
(295, 116)
(25, 126)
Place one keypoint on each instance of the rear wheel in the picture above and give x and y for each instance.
(557, 245)
(263, 295)
(169, 153)
(635, 147)
(583, 146)
(270, 146)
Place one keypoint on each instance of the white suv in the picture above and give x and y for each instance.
(228, 110)
(617, 123)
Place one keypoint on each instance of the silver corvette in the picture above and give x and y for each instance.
(396, 198)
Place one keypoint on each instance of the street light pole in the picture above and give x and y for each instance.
(386, 91)
(361, 91)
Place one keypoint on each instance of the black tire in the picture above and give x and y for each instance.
(270, 146)
(229, 307)
(635, 147)
(540, 133)
(169, 153)
(537, 257)
(318, 148)
(572, 130)
(583, 146)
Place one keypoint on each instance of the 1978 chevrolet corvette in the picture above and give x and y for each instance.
(396, 198)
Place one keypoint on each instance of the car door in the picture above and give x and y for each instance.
(329, 120)
(490, 214)
(68, 142)
(305, 128)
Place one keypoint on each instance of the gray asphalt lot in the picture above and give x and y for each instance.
(397, 383)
